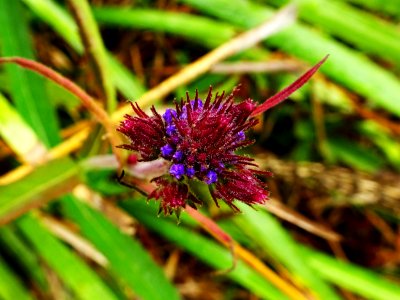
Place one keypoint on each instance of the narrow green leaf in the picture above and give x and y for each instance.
(345, 65)
(44, 184)
(200, 29)
(354, 278)
(27, 89)
(266, 231)
(383, 139)
(365, 31)
(18, 135)
(22, 254)
(206, 32)
(354, 155)
(206, 250)
(10, 286)
(389, 7)
(126, 256)
(84, 282)
(95, 47)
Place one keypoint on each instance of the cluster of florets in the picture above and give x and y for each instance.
(199, 139)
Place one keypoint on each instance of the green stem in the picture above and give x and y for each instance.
(94, 46)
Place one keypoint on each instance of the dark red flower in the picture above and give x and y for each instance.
(199, 139)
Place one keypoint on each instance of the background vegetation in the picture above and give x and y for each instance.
(69, 230)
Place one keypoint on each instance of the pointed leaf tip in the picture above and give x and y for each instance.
(286, 92)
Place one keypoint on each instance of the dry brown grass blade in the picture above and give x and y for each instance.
(291, 216)
(81, 245)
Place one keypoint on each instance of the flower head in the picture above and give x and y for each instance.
(199, 138)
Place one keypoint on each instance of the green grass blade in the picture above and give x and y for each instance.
(389, 7)
(84, 282)
(365, 31)
(27, 89)
(127, 83)
(200, 29)
(204, 249)
(10, 286)
(62, 23)
(266, 231)
(22, 254)
(95, 47)
(354, 155)
(204, 31)
(354, 278)
(18, 135)
(126, 256)
(345, 66)
(42, 185)
(383, 139)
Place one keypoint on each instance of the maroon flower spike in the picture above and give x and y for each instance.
(200, 139)
(145, 133)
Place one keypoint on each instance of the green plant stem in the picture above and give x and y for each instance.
(94, 46)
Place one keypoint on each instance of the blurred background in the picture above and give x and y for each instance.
(69, 230)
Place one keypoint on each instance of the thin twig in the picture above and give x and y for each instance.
(94, 46)
(287, 65)
(91, 105)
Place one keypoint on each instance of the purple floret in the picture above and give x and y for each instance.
(177, 170)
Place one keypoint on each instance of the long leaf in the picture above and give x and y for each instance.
(204, 249)
(42, 185)
(10, 286)
(365, 31)
(266, 231)
(354, 278)
(26, 259)
(126, 256)
(84, 282)
(27, 89)
(345, 66)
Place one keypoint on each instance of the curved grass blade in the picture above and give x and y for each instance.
(128, 260)
(203, 30)
(364, 31)
(354, 278)
(389, 7)
(44, 184)
(25, 258)
(27, 89)
(95, 48)
(204, 249)
(10, 286)
(345, 66)
(266, 231)
(84, 282)
(18, 135)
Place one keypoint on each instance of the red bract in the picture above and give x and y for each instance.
(174, 195)
(200, 139)
(242, 185)
(145, 133)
